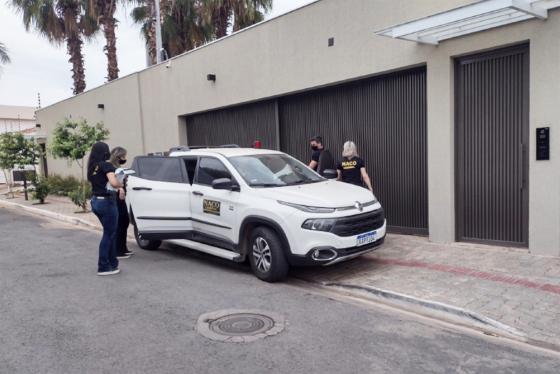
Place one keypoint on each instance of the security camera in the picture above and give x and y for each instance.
(168, 65)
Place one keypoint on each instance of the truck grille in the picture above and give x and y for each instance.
(356, 225)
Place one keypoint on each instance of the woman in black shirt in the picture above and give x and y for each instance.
(104, 205)
(352, 169)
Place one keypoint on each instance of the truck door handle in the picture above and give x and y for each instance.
(196, 193)
(141, 188)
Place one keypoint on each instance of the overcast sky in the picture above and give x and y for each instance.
(38, 66)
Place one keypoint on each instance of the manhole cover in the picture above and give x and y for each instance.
(239, 326)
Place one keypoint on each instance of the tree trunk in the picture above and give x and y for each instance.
(109, 25)
(74, 46)
(8, 182)
(151, 34)
(221, 20)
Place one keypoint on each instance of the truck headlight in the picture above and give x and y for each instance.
(308, 209)
(319, 224)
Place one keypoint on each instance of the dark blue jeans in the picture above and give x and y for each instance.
(106, 211)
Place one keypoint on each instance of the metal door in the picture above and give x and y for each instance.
(386, 117)
(492, 132)
(240, 125)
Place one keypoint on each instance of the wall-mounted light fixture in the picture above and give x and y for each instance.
(331, 42)
(101, 106)
(211, 77)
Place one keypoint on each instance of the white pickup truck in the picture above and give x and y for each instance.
(256, 204)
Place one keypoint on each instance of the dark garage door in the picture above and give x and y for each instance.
(240, 125)
(492, 130)
(386, 117)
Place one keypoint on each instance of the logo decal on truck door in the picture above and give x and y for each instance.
(211, 207)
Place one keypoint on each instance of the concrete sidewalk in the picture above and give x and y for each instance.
(56, 207)
(518, 291)
(507, 285)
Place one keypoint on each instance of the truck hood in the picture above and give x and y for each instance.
(328, 194)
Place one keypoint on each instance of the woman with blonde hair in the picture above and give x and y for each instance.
(352, 169)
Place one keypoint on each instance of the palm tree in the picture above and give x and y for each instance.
(61, 21)
(217, 15)
(187, 24)
(182, 26)
(222, 14)
(249, 12)
(104, 13)
(4, 57)
(144, 14)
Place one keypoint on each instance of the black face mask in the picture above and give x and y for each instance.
(314, 147)
(122, 162)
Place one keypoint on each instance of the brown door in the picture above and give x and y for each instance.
(386, 117)
(241, 125)
(492, 131)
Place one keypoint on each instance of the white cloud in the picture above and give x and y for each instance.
(38, 66)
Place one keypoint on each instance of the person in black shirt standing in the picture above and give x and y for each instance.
(352, 169)
(321, 158)
(104, 205)
(118, 159)
(317, 147)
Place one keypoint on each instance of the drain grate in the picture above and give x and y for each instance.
(239, 326)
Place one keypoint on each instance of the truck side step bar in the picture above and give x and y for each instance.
(214, 251)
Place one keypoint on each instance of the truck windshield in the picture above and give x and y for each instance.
(273, 170)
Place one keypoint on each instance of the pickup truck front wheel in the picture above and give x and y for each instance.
(266, 256)
(150, 245)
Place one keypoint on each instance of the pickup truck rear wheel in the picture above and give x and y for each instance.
(150, 245)
(266, 256)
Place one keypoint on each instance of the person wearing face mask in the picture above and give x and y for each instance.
(321, 158)
(118, 160)
(104, 205)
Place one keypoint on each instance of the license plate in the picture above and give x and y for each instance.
(366, 238)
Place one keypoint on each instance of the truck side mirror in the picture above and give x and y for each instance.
(225, 184)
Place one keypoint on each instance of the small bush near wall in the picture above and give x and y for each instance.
(81, 195)
(41, 190)
(62, 186)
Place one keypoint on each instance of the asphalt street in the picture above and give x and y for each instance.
(57, 316)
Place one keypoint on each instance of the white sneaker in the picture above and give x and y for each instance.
(123, 256)
(109, 272)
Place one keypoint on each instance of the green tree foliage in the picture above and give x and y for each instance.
(72, 140)
(187, 24)
(62, 186)
(81, 195)
(16, 152)
(4, 56)
(61, 21)
(42, 188)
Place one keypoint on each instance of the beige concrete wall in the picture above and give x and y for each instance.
(290, 54)
(121, 116)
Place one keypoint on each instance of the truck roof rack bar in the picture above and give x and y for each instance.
(181, 148)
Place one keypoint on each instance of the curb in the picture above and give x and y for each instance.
(56, 216)
(46, 213)
(435, 309)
